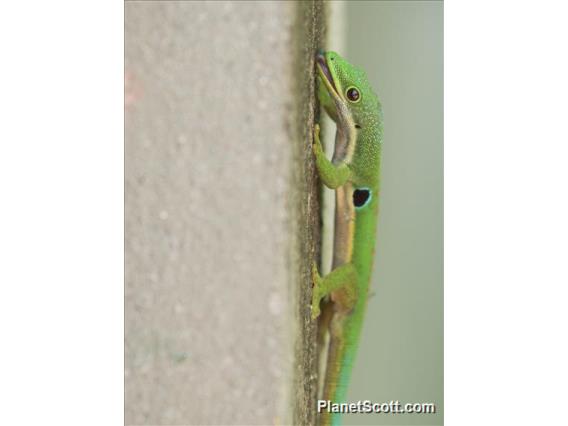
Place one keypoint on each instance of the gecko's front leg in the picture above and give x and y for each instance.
(331, 175)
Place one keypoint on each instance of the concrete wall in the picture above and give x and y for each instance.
(219, 186)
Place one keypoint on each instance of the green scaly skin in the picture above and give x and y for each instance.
(353, 170)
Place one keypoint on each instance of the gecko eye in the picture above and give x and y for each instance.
(353, 94)
(361, 197)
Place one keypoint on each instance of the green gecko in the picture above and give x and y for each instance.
(345, 93)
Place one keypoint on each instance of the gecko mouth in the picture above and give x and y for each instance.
(325, 72)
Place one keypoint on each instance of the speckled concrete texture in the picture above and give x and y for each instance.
(208, 163)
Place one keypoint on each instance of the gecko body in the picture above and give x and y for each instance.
(353, 172)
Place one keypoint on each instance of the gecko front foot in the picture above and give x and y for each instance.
(317, 146)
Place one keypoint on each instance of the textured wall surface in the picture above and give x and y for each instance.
(208, 169)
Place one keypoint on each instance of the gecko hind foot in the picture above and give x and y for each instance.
(316, 295)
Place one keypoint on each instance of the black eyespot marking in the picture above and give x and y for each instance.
(357, 126)
(361, 197)
(353, 94)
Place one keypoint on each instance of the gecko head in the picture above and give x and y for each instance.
(344, 90)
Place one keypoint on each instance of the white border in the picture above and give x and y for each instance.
(61, 220)
(506, 213)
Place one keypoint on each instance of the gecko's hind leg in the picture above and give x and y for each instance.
(342, 278)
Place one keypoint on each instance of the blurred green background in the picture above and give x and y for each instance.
(400, 45)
